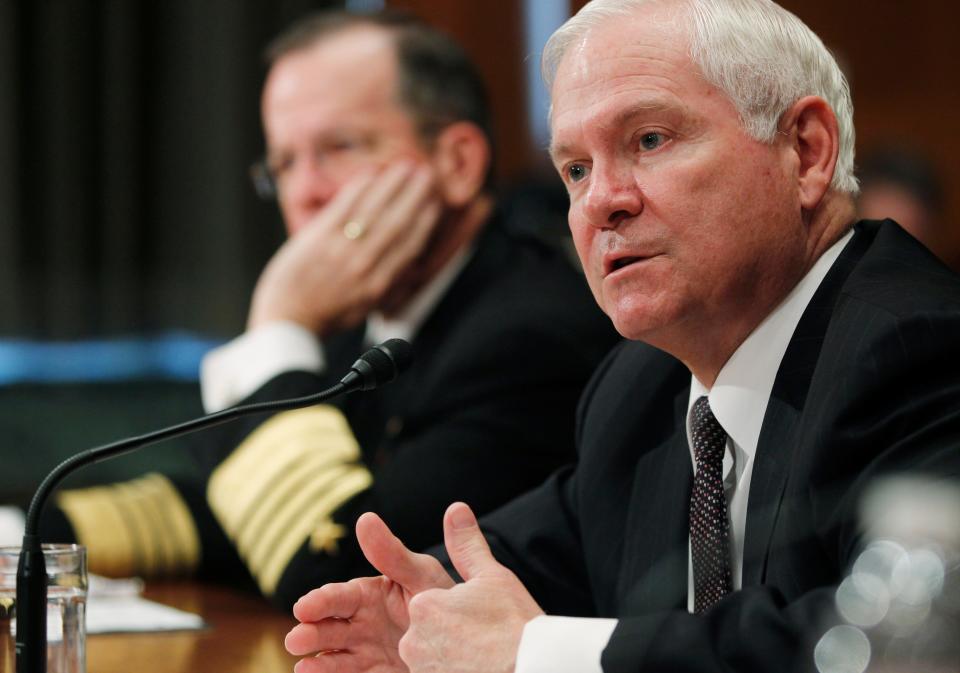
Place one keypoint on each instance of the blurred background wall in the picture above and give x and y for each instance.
(126, 131)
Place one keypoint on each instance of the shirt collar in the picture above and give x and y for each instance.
(406, 323)
(742, 390)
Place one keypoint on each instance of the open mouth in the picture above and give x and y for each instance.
(621, 262)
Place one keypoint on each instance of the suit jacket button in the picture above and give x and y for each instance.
(394, 426)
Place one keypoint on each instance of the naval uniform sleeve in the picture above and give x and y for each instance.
(235, 370)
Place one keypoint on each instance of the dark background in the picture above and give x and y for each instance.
(126, 130)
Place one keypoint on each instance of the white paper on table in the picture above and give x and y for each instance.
(115, 606)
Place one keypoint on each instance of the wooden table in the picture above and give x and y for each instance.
(245, 636)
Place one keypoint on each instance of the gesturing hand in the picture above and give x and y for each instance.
(414, 616)
(357, 625)
(331, 273)
(472, 627)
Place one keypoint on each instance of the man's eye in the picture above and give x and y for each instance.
(576, 172)
(279, 166)
(348, 144)
(342, 145)
(651, 140)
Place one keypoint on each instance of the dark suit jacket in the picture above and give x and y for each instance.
(869, 385)
(485, 412)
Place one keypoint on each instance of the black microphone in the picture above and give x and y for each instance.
(379, 365)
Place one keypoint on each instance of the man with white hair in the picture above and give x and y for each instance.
(791, 357)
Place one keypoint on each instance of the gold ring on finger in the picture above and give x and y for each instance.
(354, 229)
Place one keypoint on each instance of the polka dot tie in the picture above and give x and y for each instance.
(709, 525)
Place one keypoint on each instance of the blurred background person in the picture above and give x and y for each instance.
(905, 186)
(379, 154)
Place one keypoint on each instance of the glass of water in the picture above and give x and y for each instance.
(66, 604)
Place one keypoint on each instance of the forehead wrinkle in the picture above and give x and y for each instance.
(602, 66)
(652, 66)
(658, 74)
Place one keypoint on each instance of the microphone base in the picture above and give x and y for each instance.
(31, 607)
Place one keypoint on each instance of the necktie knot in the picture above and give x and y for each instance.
(709, 438)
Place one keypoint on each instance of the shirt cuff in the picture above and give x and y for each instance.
(11, 526)
(563, 644)
(231, 372)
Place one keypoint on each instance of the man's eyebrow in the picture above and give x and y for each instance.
(556, 151)
(639, 108)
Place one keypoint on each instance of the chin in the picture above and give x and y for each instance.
(629, 327)
(641, 319)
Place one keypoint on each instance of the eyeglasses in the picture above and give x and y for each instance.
(264, 182)
(342, 150)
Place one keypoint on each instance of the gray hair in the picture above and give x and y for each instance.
(760, 55)
(437, 82)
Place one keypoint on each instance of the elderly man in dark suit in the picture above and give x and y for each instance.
(791, 357)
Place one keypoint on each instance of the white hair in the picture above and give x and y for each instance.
(760, 55)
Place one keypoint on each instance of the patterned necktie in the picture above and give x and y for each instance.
(709, 525)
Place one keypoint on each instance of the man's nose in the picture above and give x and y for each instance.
(613, 196)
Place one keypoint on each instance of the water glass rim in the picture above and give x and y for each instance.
(49, 548)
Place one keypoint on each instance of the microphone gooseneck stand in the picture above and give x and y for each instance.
(377, 366)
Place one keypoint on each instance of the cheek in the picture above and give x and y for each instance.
(583, 237)
(708, 204)
(294, 218)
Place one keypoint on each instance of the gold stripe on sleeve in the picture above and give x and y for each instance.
(282, 483)
(357, 480)
(239, 484)
(99, 525)
(308, 479)
(292, 509)
(138, 527)
(175, 533)
(129, 501)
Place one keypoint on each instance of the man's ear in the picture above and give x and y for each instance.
(812, 125)
(461, 158)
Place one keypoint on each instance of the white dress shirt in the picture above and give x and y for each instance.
(235, 370)
(738, 398)
(11, 526)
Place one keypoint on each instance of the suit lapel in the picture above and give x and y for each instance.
(783, 418)
(767, 485)
(658, 524)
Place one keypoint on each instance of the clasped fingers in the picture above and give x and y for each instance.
(426, 644)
